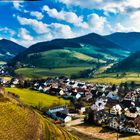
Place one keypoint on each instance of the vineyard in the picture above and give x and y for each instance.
(18, 122)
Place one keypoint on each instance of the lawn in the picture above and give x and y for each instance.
(44, 73)
(35, 98)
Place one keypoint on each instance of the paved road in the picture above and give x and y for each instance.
(75, 122)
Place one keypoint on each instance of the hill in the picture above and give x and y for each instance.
(90, 49)
(131, 63)
(129, 41)
(18, 122)
(9, 49)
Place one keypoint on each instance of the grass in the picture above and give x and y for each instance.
(109, 80)
(112, 78)
(44, 73)
(3, 62)
(58, 58)
(35, 98)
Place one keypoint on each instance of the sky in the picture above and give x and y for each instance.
(27, 23)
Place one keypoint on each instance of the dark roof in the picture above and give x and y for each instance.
(62, 109)
(61, 115)
(126, 103)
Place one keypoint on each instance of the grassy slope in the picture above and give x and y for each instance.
(38, 72)
(59, 58)
(17, 123)
(20, 123)
(34, 98)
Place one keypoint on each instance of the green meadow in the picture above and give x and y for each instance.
(35, 98)
(44, 73)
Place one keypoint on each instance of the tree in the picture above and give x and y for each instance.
(132, 85)
(113, 87)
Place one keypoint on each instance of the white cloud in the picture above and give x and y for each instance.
(108, 6)
(135, 20)
(37, 14)
(96, 23)
(120, 28)
(60, 30)
(8, 31)
(44, 32)
(38, 26)
(18, 5)
(25, 35)
(70, 17)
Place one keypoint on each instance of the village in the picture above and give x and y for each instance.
(107, 105)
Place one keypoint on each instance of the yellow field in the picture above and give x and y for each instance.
(112, 80)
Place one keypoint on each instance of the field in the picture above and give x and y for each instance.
(44, 73)
(2, 62)
(112, 78)
(35, 98)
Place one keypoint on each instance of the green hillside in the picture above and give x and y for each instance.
(44, 73)
(60, 58)
(91, 49)
(131, 63)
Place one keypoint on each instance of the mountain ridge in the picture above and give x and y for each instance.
(9, 49)
(91, 45)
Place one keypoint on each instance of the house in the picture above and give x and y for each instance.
(137, 123)
(99, 105)
(62, 109)
(114, 123)
(63, 117)
(100, 117)
(131, 114)
(59, 113)
(117, 109)
(131, 127)
(131, 130)
(61, 92)
(113, 96)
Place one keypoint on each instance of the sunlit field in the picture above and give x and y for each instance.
(35, 98)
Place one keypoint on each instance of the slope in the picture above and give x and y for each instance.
(134, 66)
(83, 51)
(129, 41)
(18, 122)
(9, 49)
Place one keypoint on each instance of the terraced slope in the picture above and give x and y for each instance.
(57, 133)
(18, 122)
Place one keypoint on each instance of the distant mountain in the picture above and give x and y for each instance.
(9, 49)
(86, 50)
(131, 63)
(129, 41)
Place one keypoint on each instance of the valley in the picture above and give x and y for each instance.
(90, 60)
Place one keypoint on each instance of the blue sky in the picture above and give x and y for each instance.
(29, 22)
